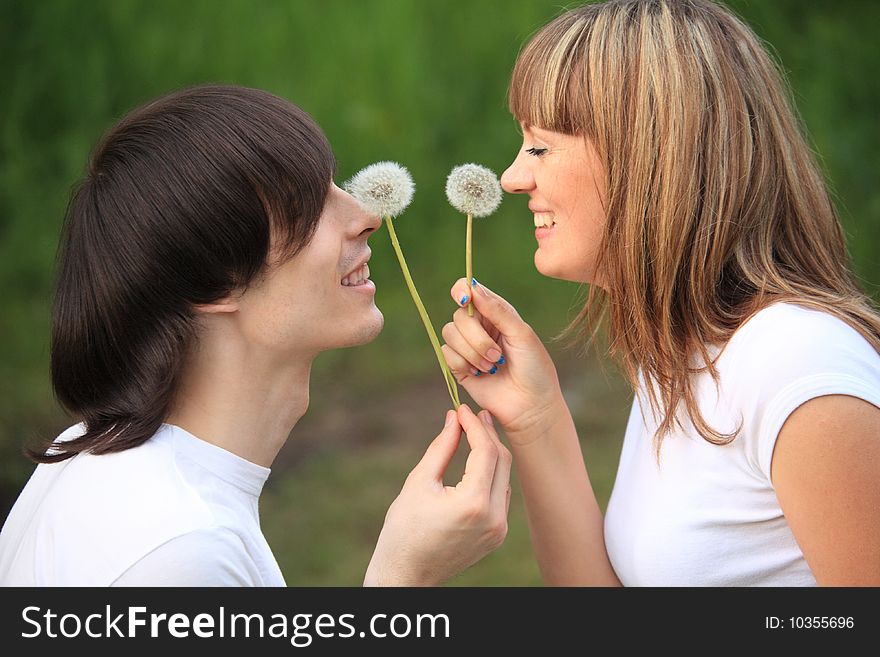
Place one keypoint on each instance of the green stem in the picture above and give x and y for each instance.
(469, 266)
(447, 374)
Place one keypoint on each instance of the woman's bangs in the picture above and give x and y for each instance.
(547, 88)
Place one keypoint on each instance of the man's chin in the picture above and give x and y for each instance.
(373, 332)
(368, 331)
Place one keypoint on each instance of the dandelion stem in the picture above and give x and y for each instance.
(469, 265)
(444, 367)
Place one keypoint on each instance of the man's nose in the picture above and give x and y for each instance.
(517, 178)
(368, 222)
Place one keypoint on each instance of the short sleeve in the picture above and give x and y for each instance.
(798, 393)
(785, 356)
(205, 557)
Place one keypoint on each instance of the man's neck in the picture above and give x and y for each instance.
(244, 403)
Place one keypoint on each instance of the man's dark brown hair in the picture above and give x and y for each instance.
(181, 203)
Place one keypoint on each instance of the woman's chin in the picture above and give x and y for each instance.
(546, 267)
(542, 265)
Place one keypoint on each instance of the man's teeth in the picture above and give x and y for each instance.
(544, 219)
(358, 277)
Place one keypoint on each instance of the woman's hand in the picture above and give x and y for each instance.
(433, 532)
(517, 380)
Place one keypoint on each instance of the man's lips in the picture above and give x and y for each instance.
(360, 263)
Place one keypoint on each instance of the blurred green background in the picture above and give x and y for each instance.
(419, 82)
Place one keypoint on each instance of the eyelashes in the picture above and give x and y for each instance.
(537, 152)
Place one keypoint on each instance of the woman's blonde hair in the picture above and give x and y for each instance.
(716, 207)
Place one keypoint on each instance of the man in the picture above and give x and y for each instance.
(206, 259)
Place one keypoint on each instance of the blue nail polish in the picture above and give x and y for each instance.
(473, 282)
(464, 300)
(478, 373)
(501, 360)
(493, 370)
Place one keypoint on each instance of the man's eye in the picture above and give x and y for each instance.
(537, 152)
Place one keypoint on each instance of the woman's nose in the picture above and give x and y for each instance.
(517, 178)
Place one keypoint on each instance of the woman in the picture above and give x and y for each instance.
(664, 166)
(206, 259)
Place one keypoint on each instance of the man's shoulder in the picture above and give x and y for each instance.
(100, 513)
(211, 556)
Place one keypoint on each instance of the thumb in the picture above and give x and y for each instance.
(491, 306)
(441, 450)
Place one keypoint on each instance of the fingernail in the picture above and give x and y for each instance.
(486, 417)
(493, 370)
(501, 360)
(473, 282)
(494, 355)
(449, 416)
(464, 300)
(479, 373)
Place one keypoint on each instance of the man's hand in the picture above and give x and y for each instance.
(432, 532)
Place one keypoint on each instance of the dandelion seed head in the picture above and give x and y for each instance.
(473, 189)
(384, 188)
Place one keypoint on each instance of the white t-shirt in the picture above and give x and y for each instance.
(174, 511)
(708, 515)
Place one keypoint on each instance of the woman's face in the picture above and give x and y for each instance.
(565, 181)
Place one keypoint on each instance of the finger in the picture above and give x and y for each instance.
(460, 368)
(441, 450)
(493, 307)
(461, 292)
(499, 499)
(479, 341)
(462, 295)
(457, 342)
(479, 470)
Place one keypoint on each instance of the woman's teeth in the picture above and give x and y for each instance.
(542, 219)
(357, 277)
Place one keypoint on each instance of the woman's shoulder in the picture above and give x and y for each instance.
(790, 334)
(787, 317)
(788, 353)
(783, 356)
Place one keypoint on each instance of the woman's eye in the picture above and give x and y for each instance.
(537, 152)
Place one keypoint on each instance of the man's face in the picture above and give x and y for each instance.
(321, 298)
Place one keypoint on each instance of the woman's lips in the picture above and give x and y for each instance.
(543, 232)
(545, 221)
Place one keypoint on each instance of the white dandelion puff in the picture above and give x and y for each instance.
(384, 189)
(474, 190)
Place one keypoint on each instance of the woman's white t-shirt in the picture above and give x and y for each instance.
(708, 515)
(174, 511)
